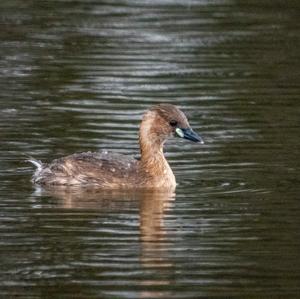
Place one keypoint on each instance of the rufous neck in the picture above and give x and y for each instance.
(151, 146)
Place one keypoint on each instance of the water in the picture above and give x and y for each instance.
(77, 76)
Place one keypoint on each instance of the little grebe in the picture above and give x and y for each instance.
(115, 171)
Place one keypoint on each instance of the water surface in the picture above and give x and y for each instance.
(77, 76)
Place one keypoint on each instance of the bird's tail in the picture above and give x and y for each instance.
(37, 163)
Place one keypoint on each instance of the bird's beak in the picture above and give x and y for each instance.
(189, 134)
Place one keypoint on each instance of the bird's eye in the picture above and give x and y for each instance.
(173, 123)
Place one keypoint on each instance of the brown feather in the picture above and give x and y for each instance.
(114, 171)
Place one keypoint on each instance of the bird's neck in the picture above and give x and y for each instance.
(153, 161)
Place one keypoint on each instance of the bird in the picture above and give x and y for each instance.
(106, 170)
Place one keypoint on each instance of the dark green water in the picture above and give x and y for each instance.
(77, 76)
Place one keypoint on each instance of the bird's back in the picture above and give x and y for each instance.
(101, 169)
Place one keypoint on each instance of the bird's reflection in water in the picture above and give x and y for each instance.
(151, 208)
(155, 242)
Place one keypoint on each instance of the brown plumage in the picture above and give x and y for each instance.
(115, 171)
